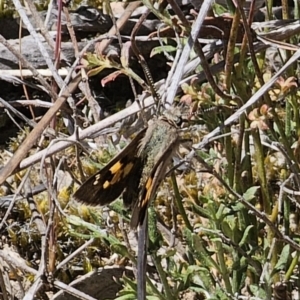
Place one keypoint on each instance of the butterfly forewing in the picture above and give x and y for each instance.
(108, 184)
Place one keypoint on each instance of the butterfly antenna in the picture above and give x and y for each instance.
(143, 63)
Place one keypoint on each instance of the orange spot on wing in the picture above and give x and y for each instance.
(116, 178)
(148, 187)
(116, 167)
(106, 184)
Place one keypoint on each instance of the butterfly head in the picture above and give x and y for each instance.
(176, 116)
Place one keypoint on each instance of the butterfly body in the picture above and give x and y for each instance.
(156, 150)
(136, 171)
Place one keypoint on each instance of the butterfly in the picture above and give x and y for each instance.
(137, 171)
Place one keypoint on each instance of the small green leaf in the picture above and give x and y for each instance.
(202, 154)
(120, 249)
(283, 259)
(251, 193)
(130, 285)
(160, 49)
(202, 212)
(87, 266)
(219, 9)
(127, 296)
(257, 291)
(227, 229)
(245, 236)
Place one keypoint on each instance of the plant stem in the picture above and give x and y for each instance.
(162, 276)
(178, 201)
(261, 172)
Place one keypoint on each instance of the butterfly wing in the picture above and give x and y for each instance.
(108, 184)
